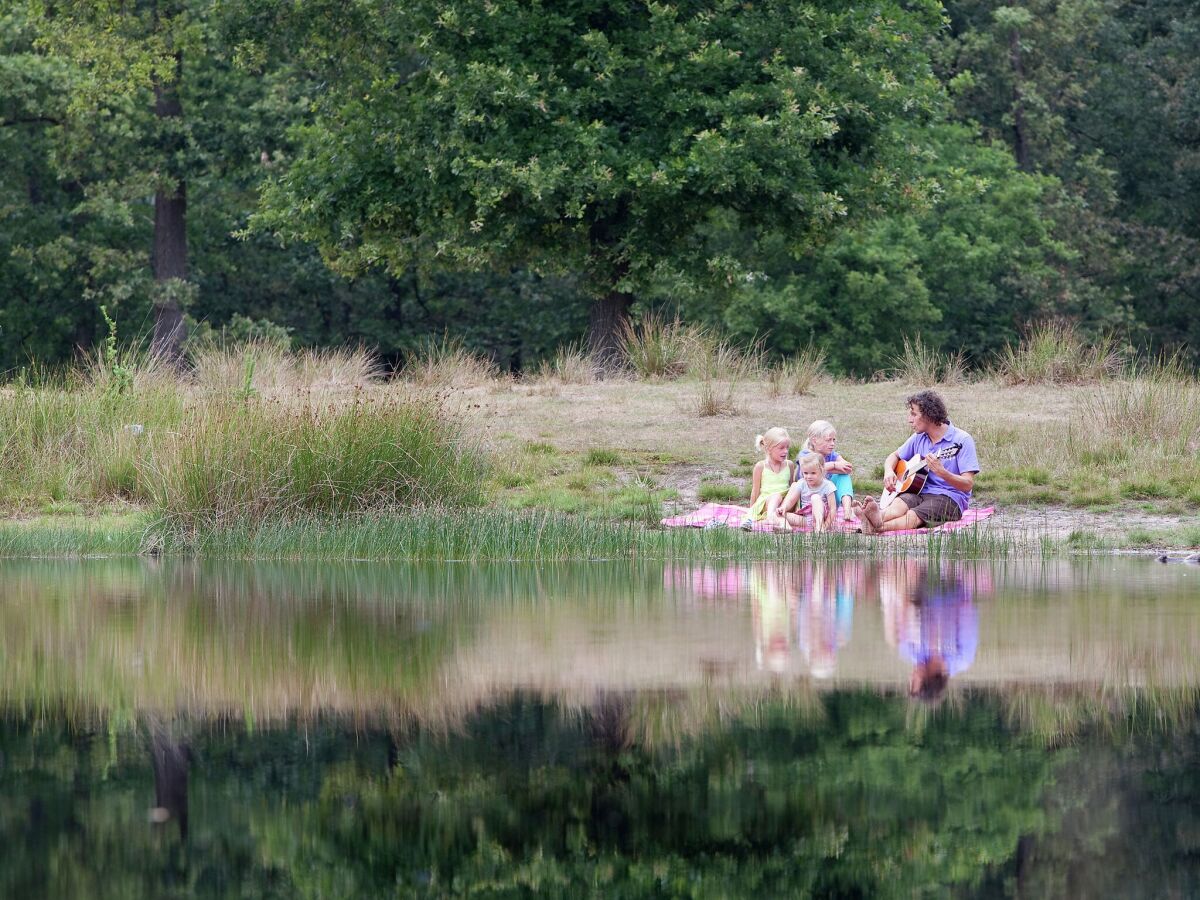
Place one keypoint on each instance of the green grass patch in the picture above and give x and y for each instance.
(1145, 490)
(76, 536)
(718, 492)
(62, 508)
(539, 448)
(602, 457)
(1086, 540)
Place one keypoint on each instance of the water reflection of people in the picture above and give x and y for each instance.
(825, 617)
(772, 607)
(931, 621)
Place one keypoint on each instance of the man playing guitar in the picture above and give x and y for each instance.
(950, 479)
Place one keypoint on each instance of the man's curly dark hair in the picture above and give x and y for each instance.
(930, 405)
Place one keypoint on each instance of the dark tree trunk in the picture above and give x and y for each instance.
(610, 310)
(608, 315)
(1020, 138)
(171, 758)
(170, 233)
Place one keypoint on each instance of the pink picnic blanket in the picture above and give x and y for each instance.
(717, 515)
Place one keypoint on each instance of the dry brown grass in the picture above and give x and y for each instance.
(661, 416)
(449, 364)
(267, 369)
(571, 364)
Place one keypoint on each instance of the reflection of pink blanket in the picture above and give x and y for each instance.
(717, 515)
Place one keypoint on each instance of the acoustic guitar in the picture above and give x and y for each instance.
(911, 474)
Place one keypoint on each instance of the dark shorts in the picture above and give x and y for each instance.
(932, 509)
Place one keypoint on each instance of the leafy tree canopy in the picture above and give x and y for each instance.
(599, 137)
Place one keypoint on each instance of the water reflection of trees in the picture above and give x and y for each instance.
(850, 795)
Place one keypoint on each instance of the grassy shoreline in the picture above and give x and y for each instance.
(499, 535)
(320, 458)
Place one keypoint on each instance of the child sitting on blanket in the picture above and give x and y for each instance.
(772, 475)
(812, 495)
(822, 438)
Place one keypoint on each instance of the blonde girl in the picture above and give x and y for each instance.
(812, 494)
(772, 475)
(822, 439)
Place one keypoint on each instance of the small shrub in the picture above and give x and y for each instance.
(1056, 353)
(220, 368)
(337, 368)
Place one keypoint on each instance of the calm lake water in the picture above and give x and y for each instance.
(849, 729)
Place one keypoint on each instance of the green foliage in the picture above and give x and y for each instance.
(1101, 95)
(962, 273)
(598, 138)
(120, 376)
(848, 803)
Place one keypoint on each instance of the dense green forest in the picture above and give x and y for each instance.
(519, 175)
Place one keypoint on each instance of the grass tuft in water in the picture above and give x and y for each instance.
(536, 535)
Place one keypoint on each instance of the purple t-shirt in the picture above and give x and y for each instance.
(949, 628)
(964, 461)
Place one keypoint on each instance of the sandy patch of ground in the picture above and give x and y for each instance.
(662, 416)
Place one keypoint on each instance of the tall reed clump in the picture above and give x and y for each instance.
(1157, 411)
(797, 374)
(721, 368)
(571, 364)
(1056, 353)
(269, 368)
(234, 462)
(446, 362)
(81, 437)
(919, 363)
(657, 348)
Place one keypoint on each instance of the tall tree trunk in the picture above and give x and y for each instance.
(1020, 138)
(170, 233)
(607, 316)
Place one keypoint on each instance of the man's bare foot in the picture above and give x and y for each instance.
(871, 515)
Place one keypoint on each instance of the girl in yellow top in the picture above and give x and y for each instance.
(772, 477)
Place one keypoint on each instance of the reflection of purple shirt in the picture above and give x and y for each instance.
(965, 461)
(949, 628)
